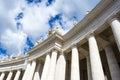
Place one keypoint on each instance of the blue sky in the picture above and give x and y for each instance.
(23, 22)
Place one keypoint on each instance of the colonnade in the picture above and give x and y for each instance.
(10, 75)
(55, 65)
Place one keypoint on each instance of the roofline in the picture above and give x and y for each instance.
(97, 10)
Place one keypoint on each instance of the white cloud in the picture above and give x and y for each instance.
(14, 42)
(35, 20)
(5, 18)
(10, 38)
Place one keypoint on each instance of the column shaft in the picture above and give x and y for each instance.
(2, 76)
(17, 75)
(26, 72)
(96, 65)
(88, 68)
(60, 68)
(9, 75)
(46, 67)
(115, 25)
(75, 72)
(112, 63)
(52, 66)
(37, 75)
(32, 70)
(41, 68)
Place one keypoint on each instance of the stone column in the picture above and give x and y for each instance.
(9, 75)
(115, 25)
(88, 68)
(41, 68)
(51, 73)
(32, 70)
(96, 65)
(45, 68)
(112, 63)
(75, 72)
(2, 76)
(17, 75)
(60, 68)
(37, 75)
(27, 71)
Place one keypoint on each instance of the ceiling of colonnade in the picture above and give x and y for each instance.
(23, 22)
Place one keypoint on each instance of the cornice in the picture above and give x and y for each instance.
(83, 29)
(55, 36)
(45, 51)
(112, 18)
(11, 61)
(11, 68)
(100, 7)
(13, 64)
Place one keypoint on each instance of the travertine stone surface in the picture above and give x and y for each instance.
(9, 75)
(2, 76)
(115, 25)
(37, 73)
(51, 71)
(95, 61)
(45, 67)
(75, 74)
(17, 75)
(112, 63)
(26, 73)
(60, 68)
(32, 70)
(88, 68)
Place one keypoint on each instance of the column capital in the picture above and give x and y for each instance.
(49, 52)
(41, 60)
(61, 53)
(19, 70)
(112, 18)
(90, 35)
(54, 50)
(32, 60)
(74, 45)
(107, 45)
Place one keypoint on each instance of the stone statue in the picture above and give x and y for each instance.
(38, 42)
